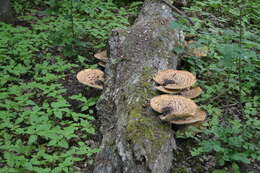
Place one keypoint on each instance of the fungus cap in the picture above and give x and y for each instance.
(102, 56)
(175, 79)
(201, 51)
(198, 51)
(173, 104)
(91, 77)
(174, 116)
(190, 36)
(168, 91)
(199, 115)
(191, 93)
(102, 64)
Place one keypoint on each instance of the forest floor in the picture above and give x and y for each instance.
(48, 121)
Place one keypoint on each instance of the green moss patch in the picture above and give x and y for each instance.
(143, 127)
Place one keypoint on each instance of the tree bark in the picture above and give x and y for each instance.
(134, 138)
(6, 12)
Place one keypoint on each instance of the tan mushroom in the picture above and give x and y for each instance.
(168, 91)
(102, 56)
(191, 93)
(91, 77)
(102, 64)
(188, 93)
(200, 51)
(175, 79)
(190, 36)
(172, 105)
(200, 115)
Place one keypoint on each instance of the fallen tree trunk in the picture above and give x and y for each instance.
(134, 139)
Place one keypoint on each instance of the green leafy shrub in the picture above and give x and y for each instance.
(224, 13)
(232, 141)
(228, 76)
(40, 130)
(38, 126)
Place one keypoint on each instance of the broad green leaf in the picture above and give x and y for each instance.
(32, 139)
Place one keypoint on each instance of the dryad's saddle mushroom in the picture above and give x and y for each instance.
(102, 56)
(168, 91)
(91, 77)
(199, 116)
(177, 109)
(173, 105)
(200, 51)
(175, 79)
(102, 64)
(191, 93)
(188, 93)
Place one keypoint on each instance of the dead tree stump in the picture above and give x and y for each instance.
(134, 138)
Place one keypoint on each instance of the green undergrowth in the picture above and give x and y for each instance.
(42, 131)
(229, 77)
(41, 127)
(39, 130)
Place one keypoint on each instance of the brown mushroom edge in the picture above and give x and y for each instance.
(102, 64)
(168, 91)
(200, 51)
(199, 116)
(101, 56)
(192, 92)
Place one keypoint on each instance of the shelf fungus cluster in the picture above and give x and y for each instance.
(176, 106)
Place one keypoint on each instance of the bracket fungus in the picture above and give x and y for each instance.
(102, 64)
(175, 79)
(168, 91)
(188, 92)
(200, 51)
(102, 56)
(177, 109)
(191, 93)
(91, 77)
(199, 116)
(178, 106)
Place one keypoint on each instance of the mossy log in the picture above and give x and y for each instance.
(134, 138)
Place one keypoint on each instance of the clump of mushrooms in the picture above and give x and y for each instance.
(176, 106)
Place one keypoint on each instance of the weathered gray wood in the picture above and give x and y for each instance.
(5, 11)
(134, 139)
